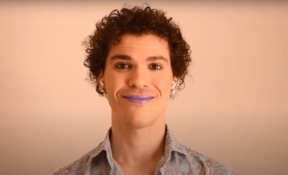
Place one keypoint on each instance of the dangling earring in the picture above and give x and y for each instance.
(174, 87)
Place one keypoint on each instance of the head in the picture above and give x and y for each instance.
(137, 51)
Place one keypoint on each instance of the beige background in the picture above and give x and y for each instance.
(235, 111)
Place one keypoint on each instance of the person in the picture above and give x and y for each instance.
(138, 59)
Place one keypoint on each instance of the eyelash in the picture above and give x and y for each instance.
(120, 66)
(159, 67)
(127, 66)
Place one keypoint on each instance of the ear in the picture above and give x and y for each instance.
(101, 82)
(175, 79)
(174, 86)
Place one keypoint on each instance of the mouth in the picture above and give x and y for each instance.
(138, 98)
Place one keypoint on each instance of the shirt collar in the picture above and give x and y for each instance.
(171, 144)
(105, 145)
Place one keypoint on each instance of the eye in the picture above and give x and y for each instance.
(122, 66)
(155, 67)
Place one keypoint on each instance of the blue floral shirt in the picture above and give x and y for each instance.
(177, 159)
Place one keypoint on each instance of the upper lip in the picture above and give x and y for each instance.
(138, 96)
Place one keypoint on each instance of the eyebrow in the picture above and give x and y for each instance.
(127, 57)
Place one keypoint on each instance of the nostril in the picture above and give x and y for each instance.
(138, 78)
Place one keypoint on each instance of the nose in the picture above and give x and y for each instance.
(138, 77)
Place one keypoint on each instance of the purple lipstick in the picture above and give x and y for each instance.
(138, 98)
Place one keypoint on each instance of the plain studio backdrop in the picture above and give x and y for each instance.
(233, 108)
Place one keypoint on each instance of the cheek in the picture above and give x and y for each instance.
(165, 86)
(115, 82)
(110, 81)
(113, 86)
(163, 81)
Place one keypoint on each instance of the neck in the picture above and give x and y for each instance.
(138, 146)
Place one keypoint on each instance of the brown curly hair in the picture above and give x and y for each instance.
(135, 20)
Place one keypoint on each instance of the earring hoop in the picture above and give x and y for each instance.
(174, 87)
(173, 84)
(102, 82)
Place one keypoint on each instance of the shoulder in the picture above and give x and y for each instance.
(76, 166)
(208, 165)
(84, 164)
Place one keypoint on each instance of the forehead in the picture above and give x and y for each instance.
(141, 46)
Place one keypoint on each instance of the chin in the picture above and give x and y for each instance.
(140, 119)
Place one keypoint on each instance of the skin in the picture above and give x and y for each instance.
(138, 65)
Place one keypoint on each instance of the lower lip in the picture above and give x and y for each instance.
(137, 100)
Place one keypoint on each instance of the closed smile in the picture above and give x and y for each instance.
(138, 98)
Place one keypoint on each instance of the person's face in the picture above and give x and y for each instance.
(138, 79)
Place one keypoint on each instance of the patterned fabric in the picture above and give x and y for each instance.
(177, 159)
